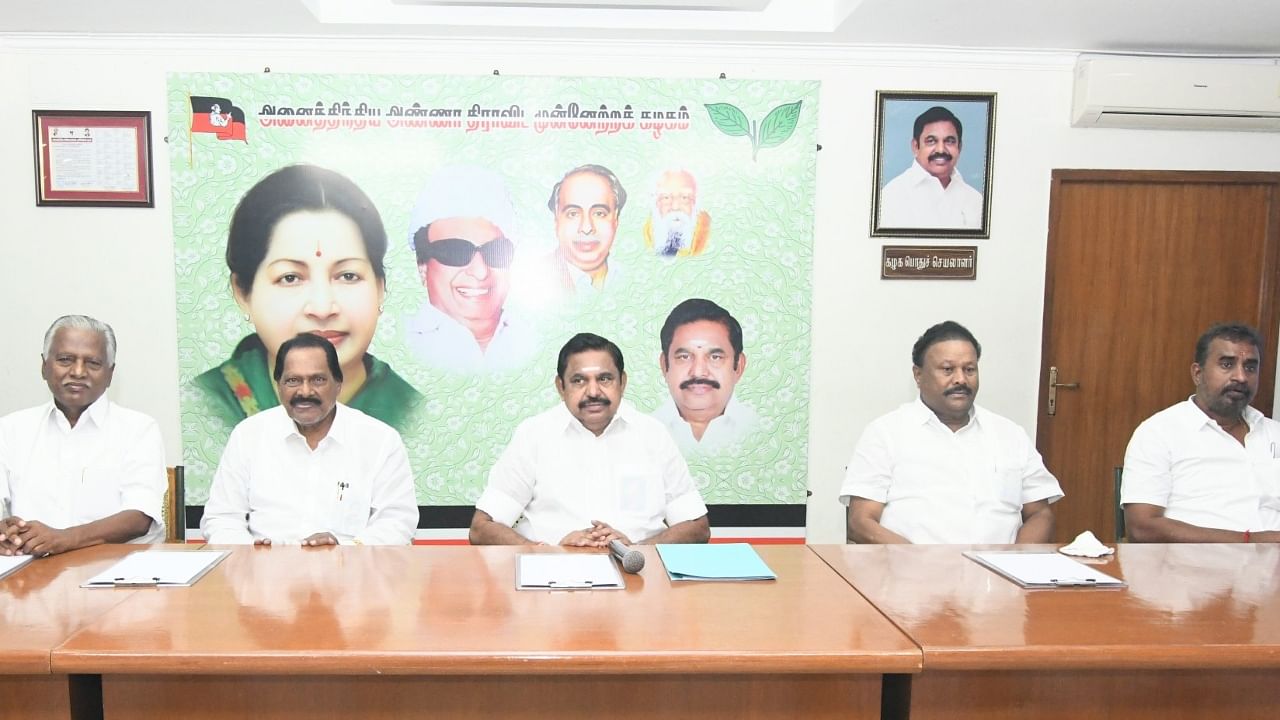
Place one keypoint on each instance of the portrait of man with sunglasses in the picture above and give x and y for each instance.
(460, 233)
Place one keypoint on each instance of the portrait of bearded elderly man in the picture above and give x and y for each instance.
(675, 226)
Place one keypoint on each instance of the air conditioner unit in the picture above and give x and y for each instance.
(1176, 94)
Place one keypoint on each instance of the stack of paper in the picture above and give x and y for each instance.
(727, 561)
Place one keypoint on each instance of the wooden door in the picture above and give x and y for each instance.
(1139, 264)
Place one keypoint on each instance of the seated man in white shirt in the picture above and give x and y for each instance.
(311, 471)
(1208, 468)
(590, 470)
(943, 470)
(79, 470)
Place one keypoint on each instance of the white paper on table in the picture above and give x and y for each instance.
(1043, 569)
(567, 571)
(10, 563)
(157, 569)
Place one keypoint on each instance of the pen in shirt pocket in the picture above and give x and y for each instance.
(342, 488)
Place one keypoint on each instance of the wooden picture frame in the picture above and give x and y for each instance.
(94, 158)
(910, 199)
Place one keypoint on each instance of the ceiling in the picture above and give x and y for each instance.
(1182, 27)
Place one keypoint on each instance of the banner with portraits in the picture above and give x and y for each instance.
(448, 234)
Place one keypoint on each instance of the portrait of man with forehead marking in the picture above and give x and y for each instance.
(933, 164)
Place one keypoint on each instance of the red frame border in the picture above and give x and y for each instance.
(43, 120)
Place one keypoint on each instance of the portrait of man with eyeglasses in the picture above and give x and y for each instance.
(461, 233)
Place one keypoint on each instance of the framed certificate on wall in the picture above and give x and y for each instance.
(93, 158)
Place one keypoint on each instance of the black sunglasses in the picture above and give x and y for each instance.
(456, 252)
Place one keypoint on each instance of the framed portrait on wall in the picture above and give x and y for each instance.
(933, 153)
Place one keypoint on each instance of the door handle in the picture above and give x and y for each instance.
(1053, 390)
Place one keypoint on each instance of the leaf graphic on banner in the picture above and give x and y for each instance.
(779, 124)
(776, 128)
(729, 119)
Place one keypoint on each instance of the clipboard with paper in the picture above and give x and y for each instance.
(157, 569)
(1043, 569)
(567, 571)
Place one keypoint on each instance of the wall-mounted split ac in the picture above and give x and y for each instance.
(1176, 93)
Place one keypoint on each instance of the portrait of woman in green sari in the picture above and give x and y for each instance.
(305, 252)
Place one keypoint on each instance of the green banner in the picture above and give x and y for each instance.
(516, 211)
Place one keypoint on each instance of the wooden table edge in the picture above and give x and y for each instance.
(1104, 657)
(349, 663)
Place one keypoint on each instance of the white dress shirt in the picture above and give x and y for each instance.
(1180, 459)
(442, 342)
(727, 430)
(915, 199)
(64, 476)
(556, 476)
(940, 486)
(270, 484)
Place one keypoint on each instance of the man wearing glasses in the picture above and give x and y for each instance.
(460, 229)
(311, 471)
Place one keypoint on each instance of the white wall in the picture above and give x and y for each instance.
(117, 264)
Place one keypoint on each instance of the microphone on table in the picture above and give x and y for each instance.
(632, 560)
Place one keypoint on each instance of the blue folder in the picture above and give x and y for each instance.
(727, 561)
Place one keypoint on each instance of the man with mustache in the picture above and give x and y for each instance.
(79, 470)
(1208, 468)
(311, 471)
(931, 193)
(591, 469)
(943, 470)
(702, 361)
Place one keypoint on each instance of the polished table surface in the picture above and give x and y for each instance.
(290, 633)
(1195, 635)
(1186, 606)
(42, 604)
(454, 610)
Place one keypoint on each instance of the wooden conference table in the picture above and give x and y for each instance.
(1195, 635)
(41, 605)
(374, 632)
(408, 632)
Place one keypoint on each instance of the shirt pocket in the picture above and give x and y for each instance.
(1266, 473)
(99, 494)
(1006, 485)
(353, 508)
(640, 492)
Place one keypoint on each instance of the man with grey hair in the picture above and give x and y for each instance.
(79, 470)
